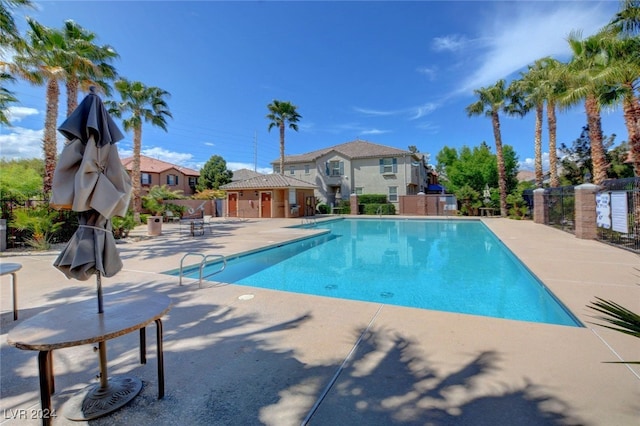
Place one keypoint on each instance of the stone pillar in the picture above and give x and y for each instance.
(585, 211)
(353, 204)
(540, 208)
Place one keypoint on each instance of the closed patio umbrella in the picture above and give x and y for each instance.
(90, 179)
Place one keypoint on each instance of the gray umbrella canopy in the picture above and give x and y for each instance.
(90, 178)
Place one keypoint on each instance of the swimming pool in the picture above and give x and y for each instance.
(447, 265)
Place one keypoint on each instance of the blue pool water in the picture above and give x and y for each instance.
(445, 265)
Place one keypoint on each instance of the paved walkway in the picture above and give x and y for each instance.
(237, 355)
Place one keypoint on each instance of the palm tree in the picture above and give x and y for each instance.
(531, 86)
(281, 113)
(39, 60)
(9, 33)
(6, 98)
(142, 104)
(491, 101)
(585, 84)
(627, 20)
(85, 63)
(553, 84)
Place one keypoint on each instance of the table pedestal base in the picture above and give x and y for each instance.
(96, 401)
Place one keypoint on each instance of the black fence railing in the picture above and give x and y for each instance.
(560, 205)
(17, 238)
(623, 230)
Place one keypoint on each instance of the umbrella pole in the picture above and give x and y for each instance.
(99, 283)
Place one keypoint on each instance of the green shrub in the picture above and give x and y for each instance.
(385, 209)
(323, 208)
(372, 199)
(39, 222)
(122, 225)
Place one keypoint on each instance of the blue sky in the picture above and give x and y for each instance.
(393, 73)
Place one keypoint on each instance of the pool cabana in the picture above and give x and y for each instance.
(269, 196)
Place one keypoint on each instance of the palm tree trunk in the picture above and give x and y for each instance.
(538, 146)
(135, 173)
(50, 144)
(502, 181)
(553, 157)
(598, 155)
(282, 148)
(631, 109)
(72, 94)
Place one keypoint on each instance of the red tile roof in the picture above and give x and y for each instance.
(151, 165)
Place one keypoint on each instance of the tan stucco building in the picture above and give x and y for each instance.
(359, 167)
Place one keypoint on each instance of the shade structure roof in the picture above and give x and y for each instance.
(268, 182)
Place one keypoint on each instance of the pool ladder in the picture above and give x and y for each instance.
(203, 263)
(309, 222)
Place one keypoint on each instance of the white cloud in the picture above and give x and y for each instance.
(448, 43)
(15, 114)
(21, 143)
(529, 163)
(374, 132)
(374, 112)
(429, 72)
(511, 41)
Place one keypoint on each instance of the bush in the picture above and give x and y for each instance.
(40, 223)
(372, 199)
(385, 209)
(323, 208)
(122, 225)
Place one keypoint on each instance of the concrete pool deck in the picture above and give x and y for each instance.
(237, 355)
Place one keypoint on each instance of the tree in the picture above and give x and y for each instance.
(52, 56)
(214, 174)
(576, 159)
(475, 167)
(491, 101)
(85, 64)
(9, 37)
(9, 34)
(281, 114)
(39, 61)
(585, 84)
(532, 90)
(6, 98)
(142, 104)
(21, 179)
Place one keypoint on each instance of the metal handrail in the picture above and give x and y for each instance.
(203, 263)
(379, 211)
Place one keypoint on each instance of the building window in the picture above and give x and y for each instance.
(306, 169)
(393, 194)
(145, 178)
(172, 180)
(335, 168)
(388, 165)
(292, 170)
(193, 181)
(358, 190)
(276, 169)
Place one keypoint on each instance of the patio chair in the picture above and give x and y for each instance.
(171, 217)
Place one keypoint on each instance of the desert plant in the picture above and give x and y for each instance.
(618, 318)
(40, 222)
(122, 225)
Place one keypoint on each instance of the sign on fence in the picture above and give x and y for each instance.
(603, 210)
(611, 210)
(619, 212)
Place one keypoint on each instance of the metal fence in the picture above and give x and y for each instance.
(16, 238)
(628, 192)
(560, 204)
